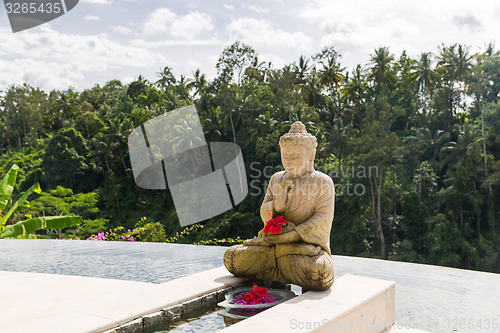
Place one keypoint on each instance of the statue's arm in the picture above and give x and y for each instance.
(268, 203)
(316, 230)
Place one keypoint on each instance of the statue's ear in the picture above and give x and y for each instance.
(311, 153)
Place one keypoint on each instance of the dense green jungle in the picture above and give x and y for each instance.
(412, 144)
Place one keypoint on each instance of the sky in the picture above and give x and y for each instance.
(102, 40)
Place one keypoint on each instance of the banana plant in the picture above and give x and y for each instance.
(24, 228)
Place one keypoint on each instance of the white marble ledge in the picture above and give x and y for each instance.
(353, 304)
(63, 303)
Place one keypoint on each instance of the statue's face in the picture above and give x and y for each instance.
(297, 160)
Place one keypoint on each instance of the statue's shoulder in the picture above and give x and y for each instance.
(322, 178)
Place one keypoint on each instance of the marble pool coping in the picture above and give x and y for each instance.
(37, 302)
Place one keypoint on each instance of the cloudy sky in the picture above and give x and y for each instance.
(101, 40)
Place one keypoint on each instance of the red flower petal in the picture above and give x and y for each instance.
(249, 298)
(259, 291)
(275, 229)
(274, 225)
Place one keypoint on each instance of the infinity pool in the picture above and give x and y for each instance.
(431, 298)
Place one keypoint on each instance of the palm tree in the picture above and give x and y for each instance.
(455, 65)
(312, 92)
(118, 131)
(464, 151)
(354, 91)
(331, 74)
(214, 124)
(183, 87)
(463, 63)
(256, 70)
(355, 88)
(436, 142)
(461, 194)
(381, 72)
(166, 78)
(102, 149)
(424, 78)
(338, 136)
(199, 83)
(302, 69)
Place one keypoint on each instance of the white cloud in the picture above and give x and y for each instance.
(261, 32)
(356, 28)
(54, 60)
(91, 18)
(173, 42)
(189, 26)
(258, 10)
(122, 30)
(98, 2)
(159, 21)
(275, 60)
(469, 22)
(228, 7)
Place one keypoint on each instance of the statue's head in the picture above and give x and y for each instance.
(298, 149)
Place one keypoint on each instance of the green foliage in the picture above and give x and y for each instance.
(62, 201)
(403, 251)
(185, 235)
(223, 242)
(429, 190)
(89, 228)
(150, 231)
(24, 228)
(64, 158)
(445, 241)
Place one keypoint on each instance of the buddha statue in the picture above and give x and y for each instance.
(300, 252)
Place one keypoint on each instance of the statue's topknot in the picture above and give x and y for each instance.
(298, 136)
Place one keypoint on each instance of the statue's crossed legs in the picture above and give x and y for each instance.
(302, 264)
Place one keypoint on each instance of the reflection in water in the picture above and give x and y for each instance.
(208, 322)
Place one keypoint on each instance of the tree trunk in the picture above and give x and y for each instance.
(478, 216)
(420, 185)
(232, 127)
(123, 160)
(377, 214)
(491, 210)
(461, 217)
(19, 140)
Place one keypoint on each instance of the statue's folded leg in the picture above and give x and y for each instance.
(252, 261)
(309, 272)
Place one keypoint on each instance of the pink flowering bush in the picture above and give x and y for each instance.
(146, 231)
(119, 234)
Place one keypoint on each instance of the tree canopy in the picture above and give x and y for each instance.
(412, 145)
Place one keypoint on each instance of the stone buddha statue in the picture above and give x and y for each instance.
(300, 252)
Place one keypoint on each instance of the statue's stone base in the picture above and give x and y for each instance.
(353, 304)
